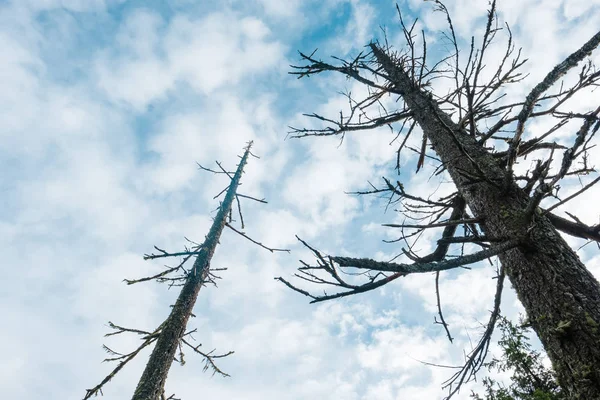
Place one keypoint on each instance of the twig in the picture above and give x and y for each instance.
(254, 241)
(477, 357)
(442, 321)
(577, 193)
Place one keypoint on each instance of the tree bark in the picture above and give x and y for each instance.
(561, 297)
(152, 382)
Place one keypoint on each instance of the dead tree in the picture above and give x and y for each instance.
(171, 336)
(476, 139)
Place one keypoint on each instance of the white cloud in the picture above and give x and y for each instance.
(358, 31)
(71, 5)
(208, 54)
(280, 9)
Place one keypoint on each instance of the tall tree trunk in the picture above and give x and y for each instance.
(561, 297)
(152, 382)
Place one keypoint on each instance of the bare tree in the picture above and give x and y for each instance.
(171, 336)
(475, 137)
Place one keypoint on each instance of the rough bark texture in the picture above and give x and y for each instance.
(560, 295)
(152, 382)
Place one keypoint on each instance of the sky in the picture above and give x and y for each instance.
(106, 107)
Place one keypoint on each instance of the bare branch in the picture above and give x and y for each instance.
(365, 263)
(442, 321)
(577, 229)
(437, 225)
(477, 356)
(166, 254)
(553, 76)
(254, 241)
(252, 198)
(577, 193)
(209, 358)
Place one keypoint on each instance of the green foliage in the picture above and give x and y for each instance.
(530, 379)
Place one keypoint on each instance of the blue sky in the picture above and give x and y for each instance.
(105, 108)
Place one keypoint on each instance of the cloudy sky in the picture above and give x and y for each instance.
(105, 108)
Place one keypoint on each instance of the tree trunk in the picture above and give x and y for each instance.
(561, 297)
(152, 382)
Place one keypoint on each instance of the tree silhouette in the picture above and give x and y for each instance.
(475, 138)
(171, 336)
